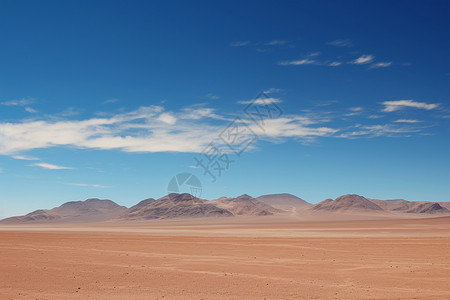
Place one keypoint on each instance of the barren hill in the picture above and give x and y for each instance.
(90, 210)
(348, 203)
(283, 200)
(403, 206)
(428, 208)
(175, 206)
(246, 205)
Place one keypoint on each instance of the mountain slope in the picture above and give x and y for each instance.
(90, 210)
(427, 208)
(347, 203)
(246, 205)
(175, 206)
(282, 200)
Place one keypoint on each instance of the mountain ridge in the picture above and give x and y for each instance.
(187, 206)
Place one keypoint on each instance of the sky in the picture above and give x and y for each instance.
(112, 99)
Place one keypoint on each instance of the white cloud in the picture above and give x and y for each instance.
(291, 127)
(153, 129)
(387, 130)
(272, 90)
(407, 121)
(261, 101)
(391, 106)
(30, 110)
(335, 63)
(363, 59)
(341, 43)
(239, 43)
(212, 97)
(309, 61)
(380, 65)
(112, 100)
(49, 166)
(305, 61)
(167, 118)
(19, 102)
(275, 42)
(88, 185)
(199, 113)
(24, 157)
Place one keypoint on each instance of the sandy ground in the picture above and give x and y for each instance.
(382, 259)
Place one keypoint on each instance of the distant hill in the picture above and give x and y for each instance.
(188, 206)
(283, 200)
(412, 207)
(246, 205)
(445, 205)
(90, 210)
(428, 208)
(347, 203)
(175, 206)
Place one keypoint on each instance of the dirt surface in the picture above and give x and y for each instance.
(382, 259)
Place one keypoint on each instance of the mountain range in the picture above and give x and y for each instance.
(188, 206)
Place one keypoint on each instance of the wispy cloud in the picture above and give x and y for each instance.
(407, 121)
(19, 102)
(391, 106)
(305, 61)
(341, 43)
(212, 96)
(24, 157)
(309, 61)
(49, 166)
(88, 185)
(239, 43)
(264, 101)
(30, 110)
(273, 90)
(167, 118)
(275, 42)
(388, 130)
(363, 59)
(190, 129)
(380, 65)
(112, 100)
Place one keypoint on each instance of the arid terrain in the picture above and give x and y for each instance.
(227, 258)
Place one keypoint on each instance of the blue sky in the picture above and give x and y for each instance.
(111, 99)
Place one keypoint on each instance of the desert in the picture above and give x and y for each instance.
(215, 150)
(333, 255)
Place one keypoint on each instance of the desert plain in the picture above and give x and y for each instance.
(228, 258)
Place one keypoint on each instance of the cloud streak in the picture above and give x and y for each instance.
(391, 106)
(153, 129)
(20, 102)
(88, 185)
(49, 166)
(363, 59)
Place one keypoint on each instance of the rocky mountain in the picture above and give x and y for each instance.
(445, 205)
(246, 205)
(427, 208)
(403, 206)
(283, 200)
(347, 203)
(188, 206)
(90, 210)
(175, 206)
